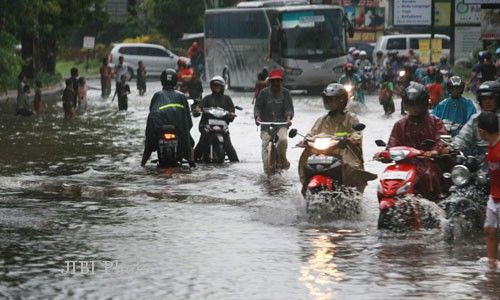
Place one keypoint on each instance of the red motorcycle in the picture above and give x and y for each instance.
(399, 209)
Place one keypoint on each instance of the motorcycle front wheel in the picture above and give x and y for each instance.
(272, 159)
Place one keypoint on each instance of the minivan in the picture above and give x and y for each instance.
(403, 42)
(155, 58)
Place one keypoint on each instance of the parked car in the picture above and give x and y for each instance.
(155, 58)
(363, 46)
(403, 42)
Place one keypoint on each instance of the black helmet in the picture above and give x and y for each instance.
(415, 94)
(455, 81)
(168, 78)
(489, 88)
(332, 93)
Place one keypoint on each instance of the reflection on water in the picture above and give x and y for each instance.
(319, 272)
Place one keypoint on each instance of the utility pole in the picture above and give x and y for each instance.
(451, 59)
(432, 30)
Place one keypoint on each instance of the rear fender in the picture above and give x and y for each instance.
(320, 181)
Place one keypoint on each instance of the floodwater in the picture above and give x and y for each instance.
(74, 192)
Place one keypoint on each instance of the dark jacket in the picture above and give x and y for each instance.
(170, 107)
(273, 108)
(222, 101)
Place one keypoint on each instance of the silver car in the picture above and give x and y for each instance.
(155, 58)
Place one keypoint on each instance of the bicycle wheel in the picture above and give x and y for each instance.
(272, 159)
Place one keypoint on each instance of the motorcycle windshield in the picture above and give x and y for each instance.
(216, 111)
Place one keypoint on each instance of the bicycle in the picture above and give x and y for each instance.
(272, 151)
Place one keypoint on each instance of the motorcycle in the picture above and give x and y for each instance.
(326, 196)
(466, 205)
(399, 209)
(167, 148)
(452, 127)
(369, 84)
(354, 104)
(216, 128)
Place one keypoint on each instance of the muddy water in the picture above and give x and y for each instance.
(73, 191)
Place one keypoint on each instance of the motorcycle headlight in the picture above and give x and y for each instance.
(482, 179)
(323, 143)
(348, 88)
(397, 155)
(460, 175)
(402, 73)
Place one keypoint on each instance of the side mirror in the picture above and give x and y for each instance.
(380, 143)
(359, 127)
(238, 107)
(292, 133)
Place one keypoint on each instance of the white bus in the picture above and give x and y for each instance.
(307, 41)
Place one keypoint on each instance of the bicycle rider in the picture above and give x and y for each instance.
(274, 104)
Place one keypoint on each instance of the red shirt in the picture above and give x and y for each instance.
(493, 159)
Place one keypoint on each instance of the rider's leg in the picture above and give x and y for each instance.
(281, 147)
(266, 138)
(230, 151)
(201, 147)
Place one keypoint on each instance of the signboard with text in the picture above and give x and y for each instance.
(490, 24)
(412, 12)
(466, 41)
(467, 14)
(88, 42)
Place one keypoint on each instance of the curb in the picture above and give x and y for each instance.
(52, 91)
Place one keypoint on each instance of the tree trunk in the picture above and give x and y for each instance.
(27, 41)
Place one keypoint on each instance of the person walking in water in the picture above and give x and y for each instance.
(37, 103)
(106, 75)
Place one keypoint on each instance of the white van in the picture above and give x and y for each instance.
(403, 42)
(154, 57)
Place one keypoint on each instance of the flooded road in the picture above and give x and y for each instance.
(74, 191)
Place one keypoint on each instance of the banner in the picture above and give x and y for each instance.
(490, 24)
(442, 14)
(436, 50)
(466, 41)
(424, 51)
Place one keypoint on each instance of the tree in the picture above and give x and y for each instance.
(173, 17)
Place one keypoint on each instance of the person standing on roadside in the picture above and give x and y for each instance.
(121, 69)
(141, 79)
(74, 83)
(123, 89)
(23, 103)
(106, 75)
(67, 99)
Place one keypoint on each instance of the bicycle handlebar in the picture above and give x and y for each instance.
(273, 123)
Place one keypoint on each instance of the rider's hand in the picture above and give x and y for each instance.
(301, 144)
(289, 121)
(446, 150)
(432, 153)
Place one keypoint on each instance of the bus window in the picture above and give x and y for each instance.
(313, 34)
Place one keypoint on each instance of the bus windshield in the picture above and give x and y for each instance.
(312, 34)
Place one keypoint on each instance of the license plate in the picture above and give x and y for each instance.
(172, 143)
(320, 160)
(217, 122)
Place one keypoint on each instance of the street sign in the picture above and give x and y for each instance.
(467, 14)
(412, 12)
(88, 42)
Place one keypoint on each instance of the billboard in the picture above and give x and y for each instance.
(412, 12)
(490, 24)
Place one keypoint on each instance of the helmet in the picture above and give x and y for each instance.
(362, 53)
(431, 70)
(489, 88)
(217, 80)
(168, 78)
(380, 53)
(335, 93)
(443, 59)
(355, 53)
(483, 55)
(349, 68)
(455, 81)
(352, 49)
(415, 94)
(180, 62)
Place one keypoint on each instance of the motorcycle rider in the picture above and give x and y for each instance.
(412, 131)
(350, 77)
(274, 104)
(456, 109)
(483, 71)
(335, 98)
(216, 99)
(468, 140)
(169, 107)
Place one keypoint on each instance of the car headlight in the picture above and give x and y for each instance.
(460, 175)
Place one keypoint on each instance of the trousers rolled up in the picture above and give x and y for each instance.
(281, 147)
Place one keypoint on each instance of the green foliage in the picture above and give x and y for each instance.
(173, 17)
(63, 68)
(10, 63)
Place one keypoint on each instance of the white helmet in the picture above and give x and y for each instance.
(351, 50)
(362, 53)
(217, 80)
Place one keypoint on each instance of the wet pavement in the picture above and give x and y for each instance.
(74, 191)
